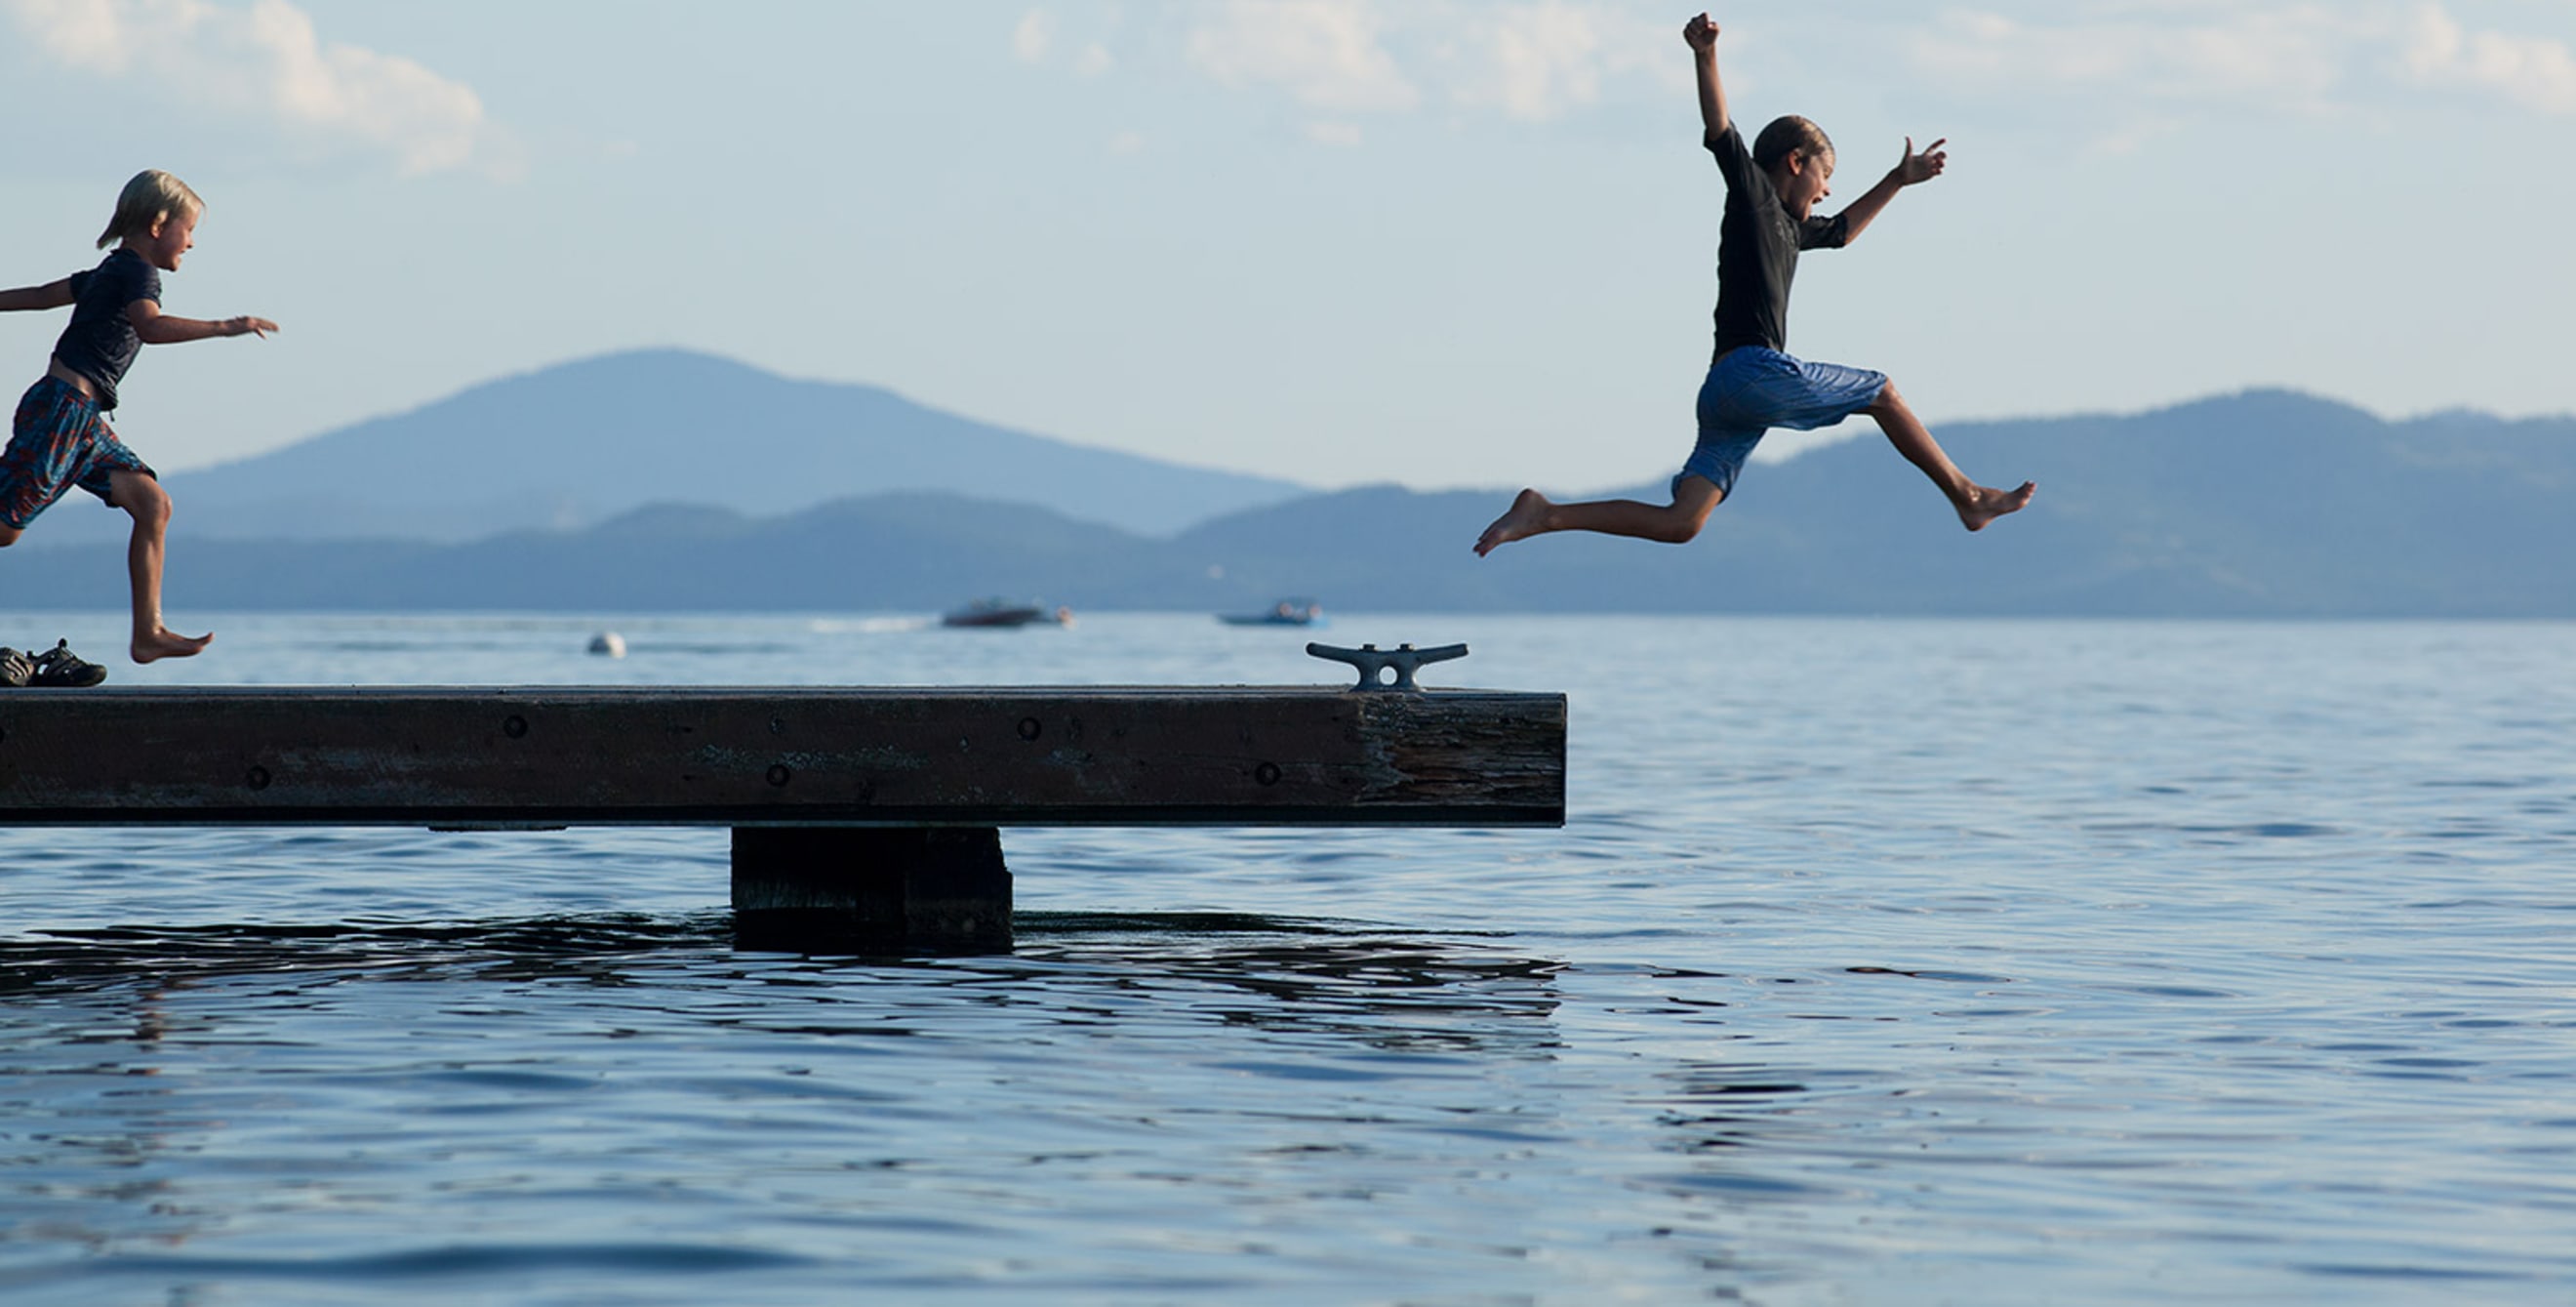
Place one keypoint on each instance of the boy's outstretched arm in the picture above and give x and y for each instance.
(155, 327)
(52, 295)
(1701, 35)
(1913, 168)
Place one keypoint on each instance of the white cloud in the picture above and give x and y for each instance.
(2301, 58)
(1537, 62)
(265, 61)
(1327, 54)
(1033, 36)
(2130, 68)
(2289, 56)
(1533, 61)
(2534, 72)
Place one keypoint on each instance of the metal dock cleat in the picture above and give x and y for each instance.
(1373, 663)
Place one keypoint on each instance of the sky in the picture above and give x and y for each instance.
(1339, 241)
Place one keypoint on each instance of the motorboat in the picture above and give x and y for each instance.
(1005, 612)
(1287, 612)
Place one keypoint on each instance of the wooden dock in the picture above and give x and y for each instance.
(862, 818)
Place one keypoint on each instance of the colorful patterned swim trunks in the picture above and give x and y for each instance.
(58, 440)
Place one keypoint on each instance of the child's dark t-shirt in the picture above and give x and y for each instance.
(100, 343)
(1757, 250)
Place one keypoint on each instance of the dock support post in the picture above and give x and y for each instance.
(871, 889)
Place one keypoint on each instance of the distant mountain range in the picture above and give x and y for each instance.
(2265, 504)
(575, 445)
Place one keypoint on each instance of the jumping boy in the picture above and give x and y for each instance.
(60, 437)
(1753, 385)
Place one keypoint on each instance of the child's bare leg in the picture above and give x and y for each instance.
(1977, 504)
(141, 496)
(1674, 523)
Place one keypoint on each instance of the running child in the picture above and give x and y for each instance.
(60, 437)
(1753, 384)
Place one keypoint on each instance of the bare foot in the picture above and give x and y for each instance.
(162, 644)
(1524, 518)
(1985, 504)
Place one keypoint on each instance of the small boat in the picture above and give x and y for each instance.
(1004, 612)
(1287, 612)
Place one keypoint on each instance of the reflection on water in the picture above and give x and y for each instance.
(88, 960)
(1298, 967)
(174, 1084)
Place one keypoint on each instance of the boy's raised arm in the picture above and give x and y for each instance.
(1701, 34)
(52, 295)
(1912, 170)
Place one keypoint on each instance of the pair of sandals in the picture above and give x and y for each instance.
(57, 666)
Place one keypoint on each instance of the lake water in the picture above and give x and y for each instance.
(1879, 962)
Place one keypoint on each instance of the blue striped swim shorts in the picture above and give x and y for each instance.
(57, 440)
(1751, 390)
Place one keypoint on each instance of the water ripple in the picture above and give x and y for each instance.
(2240, 974)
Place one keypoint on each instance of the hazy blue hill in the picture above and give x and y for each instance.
(2263, 503)
(912, 551)
(900, 552)
(577, 444)
(2266, 502)
(2260, 504)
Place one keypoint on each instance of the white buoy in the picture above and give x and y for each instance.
(609, 643)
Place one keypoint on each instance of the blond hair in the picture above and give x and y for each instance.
(153, 196)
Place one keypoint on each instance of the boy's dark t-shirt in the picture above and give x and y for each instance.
(1757, 250)
(100, 343)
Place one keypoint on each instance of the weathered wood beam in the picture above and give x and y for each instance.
(789, 756)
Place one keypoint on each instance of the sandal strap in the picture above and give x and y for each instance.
(61, 666)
